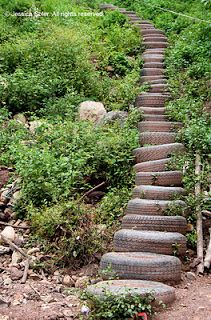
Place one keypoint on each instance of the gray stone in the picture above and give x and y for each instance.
(91, 111)
(191, 276)
(111, 116)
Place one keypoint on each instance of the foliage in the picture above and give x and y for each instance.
(117, 307)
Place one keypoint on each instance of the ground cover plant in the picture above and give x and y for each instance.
(49, 64)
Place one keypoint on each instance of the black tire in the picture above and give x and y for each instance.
(151, 207)
(157, 223)
(149, 241)
(166, 178)
(157, 193)
(157, 152)
(143, 266)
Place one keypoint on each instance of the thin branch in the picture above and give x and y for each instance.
(12, 245)
(13, 225)
(25, 273)
(90, 191)
(199, 227)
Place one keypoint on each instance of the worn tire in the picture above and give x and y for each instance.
(159, 88)
(144, 266)
(157, 192)
(157, 223)
(152, 71)
(154, 38)
(152, 111)
(153, 44)
(153, 166)
(166, 178)
(161, 292)
(157, 152)
(150, 32)
(151, 207)
(159, 126)
(153, 58)
(157, 138)
(151, 100)
(149, 241)
(154, 117)
(158, 65)
(152, 79)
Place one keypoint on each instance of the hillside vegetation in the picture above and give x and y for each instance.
(48, 65)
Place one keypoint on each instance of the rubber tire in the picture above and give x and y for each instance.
(152, 71)
(142, 266)
(149, 241)
(157, 152)
(162, 178)
(159, 126)
(153, 166)
(157, 193)
(154, 117)
(152, 207)
(157, 223)
(156, 138)
(151, 99)
(162, 293)
(152, 111)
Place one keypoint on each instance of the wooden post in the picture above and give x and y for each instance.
(199, 228)
(207, 260)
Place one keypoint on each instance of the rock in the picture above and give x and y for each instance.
(19, 117)
(68, 313)
(5, 196)
(82, 282)
(9, 233)
(191, 276)
(7, 282)
(92, 111)
(15, 197)
(4, 317)
(47, 299)
(15, 273)
(16, 257)
(4, 250)
(33, 125)
(111, 116)
(68, 281)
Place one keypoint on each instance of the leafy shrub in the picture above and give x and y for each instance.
(118, 307)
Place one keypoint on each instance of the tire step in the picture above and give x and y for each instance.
(152, 71)
(155, 38)
(156, 138)
(159, 126)
(157, 193)
(149, 241)
(153, 166)
(151, 100)
(152, 111)
(152, 207)
(157, 152)
(153, 58)
(153, 79)
(162, 178)
(151, 32)
(144, 266)
(159, 88)
(159, 65)
(155, 51)
(162, 293)
(154, 223)
(152, 117)
(158, 44)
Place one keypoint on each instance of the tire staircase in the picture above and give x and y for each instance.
(144, 248)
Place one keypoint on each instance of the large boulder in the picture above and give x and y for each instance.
(91, 111)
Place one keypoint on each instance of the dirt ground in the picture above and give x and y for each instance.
(193, 301)
(47, 300)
